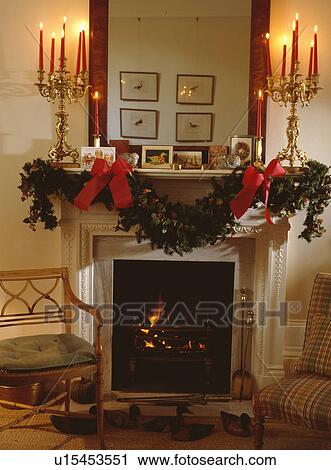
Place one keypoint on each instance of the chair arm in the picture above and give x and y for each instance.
(82, 305)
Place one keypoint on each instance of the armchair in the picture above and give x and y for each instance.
(304, 399)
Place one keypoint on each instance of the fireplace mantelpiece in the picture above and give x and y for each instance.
(80, 230)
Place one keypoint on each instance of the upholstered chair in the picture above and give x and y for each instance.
(304, 399)
(37, 358)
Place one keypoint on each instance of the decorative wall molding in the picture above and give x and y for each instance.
(80, 229)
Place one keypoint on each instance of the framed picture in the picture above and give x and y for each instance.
(242, 146)
(194, 127)
(139, 86)
(190, 159)
(89, 154)
(156, 156)
(139, 123)
(195, 89)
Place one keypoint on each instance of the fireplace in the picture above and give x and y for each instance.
(174, 331)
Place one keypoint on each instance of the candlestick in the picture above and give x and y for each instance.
(96, 113)
(84, 66)
(269, 72)
(96, 140)
(79, 53)
(64, 88)
(315, 52)
(297, 37)
(259, 115)
(62, 53)
(293, 90)
(284, 58)
(310, 68)
(51, 64)
(258, 163)
(41, 47)
(293, 55)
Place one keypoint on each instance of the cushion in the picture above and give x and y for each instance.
(316, 355)
(44, 352)
(303, 400)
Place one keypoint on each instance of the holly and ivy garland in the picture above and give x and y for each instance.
(177, 227)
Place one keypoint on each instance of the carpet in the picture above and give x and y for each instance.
(37, 433)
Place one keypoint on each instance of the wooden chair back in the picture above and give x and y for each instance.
(25, 289)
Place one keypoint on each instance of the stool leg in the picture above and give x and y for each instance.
(100, 401)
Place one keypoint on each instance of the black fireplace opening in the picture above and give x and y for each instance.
(173, 328)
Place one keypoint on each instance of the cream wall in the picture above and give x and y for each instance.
(305, 260)
(27, 121)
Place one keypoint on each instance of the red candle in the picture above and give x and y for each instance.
(62, 53)
(293, 49)
(51, 65)
(41, 48)
(269, 73)
(315, 52)
(284, 58)
(79, 53)
(84, 67)
(310, 68)
(259, 115)
(297, 36)
(96, 113)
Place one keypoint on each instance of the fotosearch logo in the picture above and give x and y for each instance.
(211, 314)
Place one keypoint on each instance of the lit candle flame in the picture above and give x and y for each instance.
(267, 36)
(293, 26)
(96, 95)
(297, 16)
(41, 25)
(312, 44)
(64, 20)
(315, 29)
(53, 35)
(260, 94)
(81, 28)
(285, 40)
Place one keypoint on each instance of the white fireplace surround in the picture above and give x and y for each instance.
(259, 250)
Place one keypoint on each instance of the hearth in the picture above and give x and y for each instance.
(174, 331)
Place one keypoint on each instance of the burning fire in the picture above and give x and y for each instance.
(156, 314)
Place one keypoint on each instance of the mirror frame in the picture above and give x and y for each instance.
(98, 63)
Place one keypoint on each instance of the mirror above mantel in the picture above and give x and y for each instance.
(214, 37)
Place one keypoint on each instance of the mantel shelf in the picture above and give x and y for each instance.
(182, 174)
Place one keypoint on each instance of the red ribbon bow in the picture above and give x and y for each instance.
(103, 175)
(252, 180)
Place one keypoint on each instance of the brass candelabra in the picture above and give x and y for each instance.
(65, 88)
(293, 90)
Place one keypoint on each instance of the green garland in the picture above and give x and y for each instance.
(178, 227)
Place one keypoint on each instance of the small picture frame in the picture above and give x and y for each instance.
(195, 89)
(89, 154)
(157, 156)
(139, 123)
(243, 146)
(194, 127)
(139, 86)
(189, 159)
